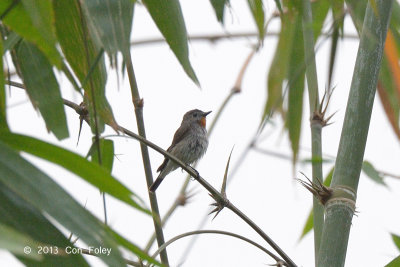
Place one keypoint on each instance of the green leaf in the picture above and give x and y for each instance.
(91, 172)
(106, 153)
(16, 212)
(279, 6)
(279, 67)
(358, 12)
(372, 173)
(135, 249)
(394, 263)
(81, 53)
(396, 240)
(320, 11)
(43, 193)
(11, 41)
(15, 242)
(257, 10)
(219, 7)
(309, 225)
(111, 21)
(42, 87)
(33, 20)
(296, 78)
(169, 19)
(3, 110)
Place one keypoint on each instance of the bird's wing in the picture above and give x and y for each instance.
(178, 136)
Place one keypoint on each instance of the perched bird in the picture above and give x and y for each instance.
(189, 144)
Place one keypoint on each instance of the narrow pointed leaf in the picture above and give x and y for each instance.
(396, 240)
(320, 11)
(91, 172)
(257, 10)
(44, 194)
(81, 53)
(106, 153)
(219, 8)
(111, 23)
(296, 78)
(15, 242)
(42, 87)
(33, 20)
(279, 67)
(394, 263)
(3, 110)
(18, 213)
(169, 19)
(372, 173)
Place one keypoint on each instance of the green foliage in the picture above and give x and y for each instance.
(169, 19)
(219, 7)
(98, 176)
(111, 22)
(372, 173)
(257, 10)
(33, 21)
(396, 240)
(42, 87)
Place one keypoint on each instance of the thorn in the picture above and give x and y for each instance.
(319, 190)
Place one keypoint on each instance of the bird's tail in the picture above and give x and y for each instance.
(156, 183)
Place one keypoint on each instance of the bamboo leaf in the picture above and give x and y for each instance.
(396, 240)
(106, 152)
(320, 11)
(169, 19)
(308, 226)
(394, 263)
(358, 12)
(296, 78)
(279, 67)
(3, 110)
(257, 10)
(11, 41)
(219, 8)
(32, 20)
(44, 194)
(81, 52)
(15, 242)
(42, 87)
(23, 217)
(91, 172)
(372, 173)
(111, 23)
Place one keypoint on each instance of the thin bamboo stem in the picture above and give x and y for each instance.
(138, 104)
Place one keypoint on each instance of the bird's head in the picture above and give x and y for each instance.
(196, 115)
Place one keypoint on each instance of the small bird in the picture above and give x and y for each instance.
(189, 144)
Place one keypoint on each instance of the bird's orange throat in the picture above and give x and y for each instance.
(203, 122)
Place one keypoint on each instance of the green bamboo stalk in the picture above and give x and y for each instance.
(138, 103)
(316, 124)
(340, 207)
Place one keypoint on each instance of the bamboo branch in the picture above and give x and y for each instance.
(279, 261)
(138, 104)
(315, 125)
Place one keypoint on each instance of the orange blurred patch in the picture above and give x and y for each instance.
(203, 121)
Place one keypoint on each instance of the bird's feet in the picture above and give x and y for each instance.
(197, 174)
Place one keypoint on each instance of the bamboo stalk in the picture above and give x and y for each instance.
(316, 125)
(339, 210)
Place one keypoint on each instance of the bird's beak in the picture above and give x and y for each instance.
(206, 113)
